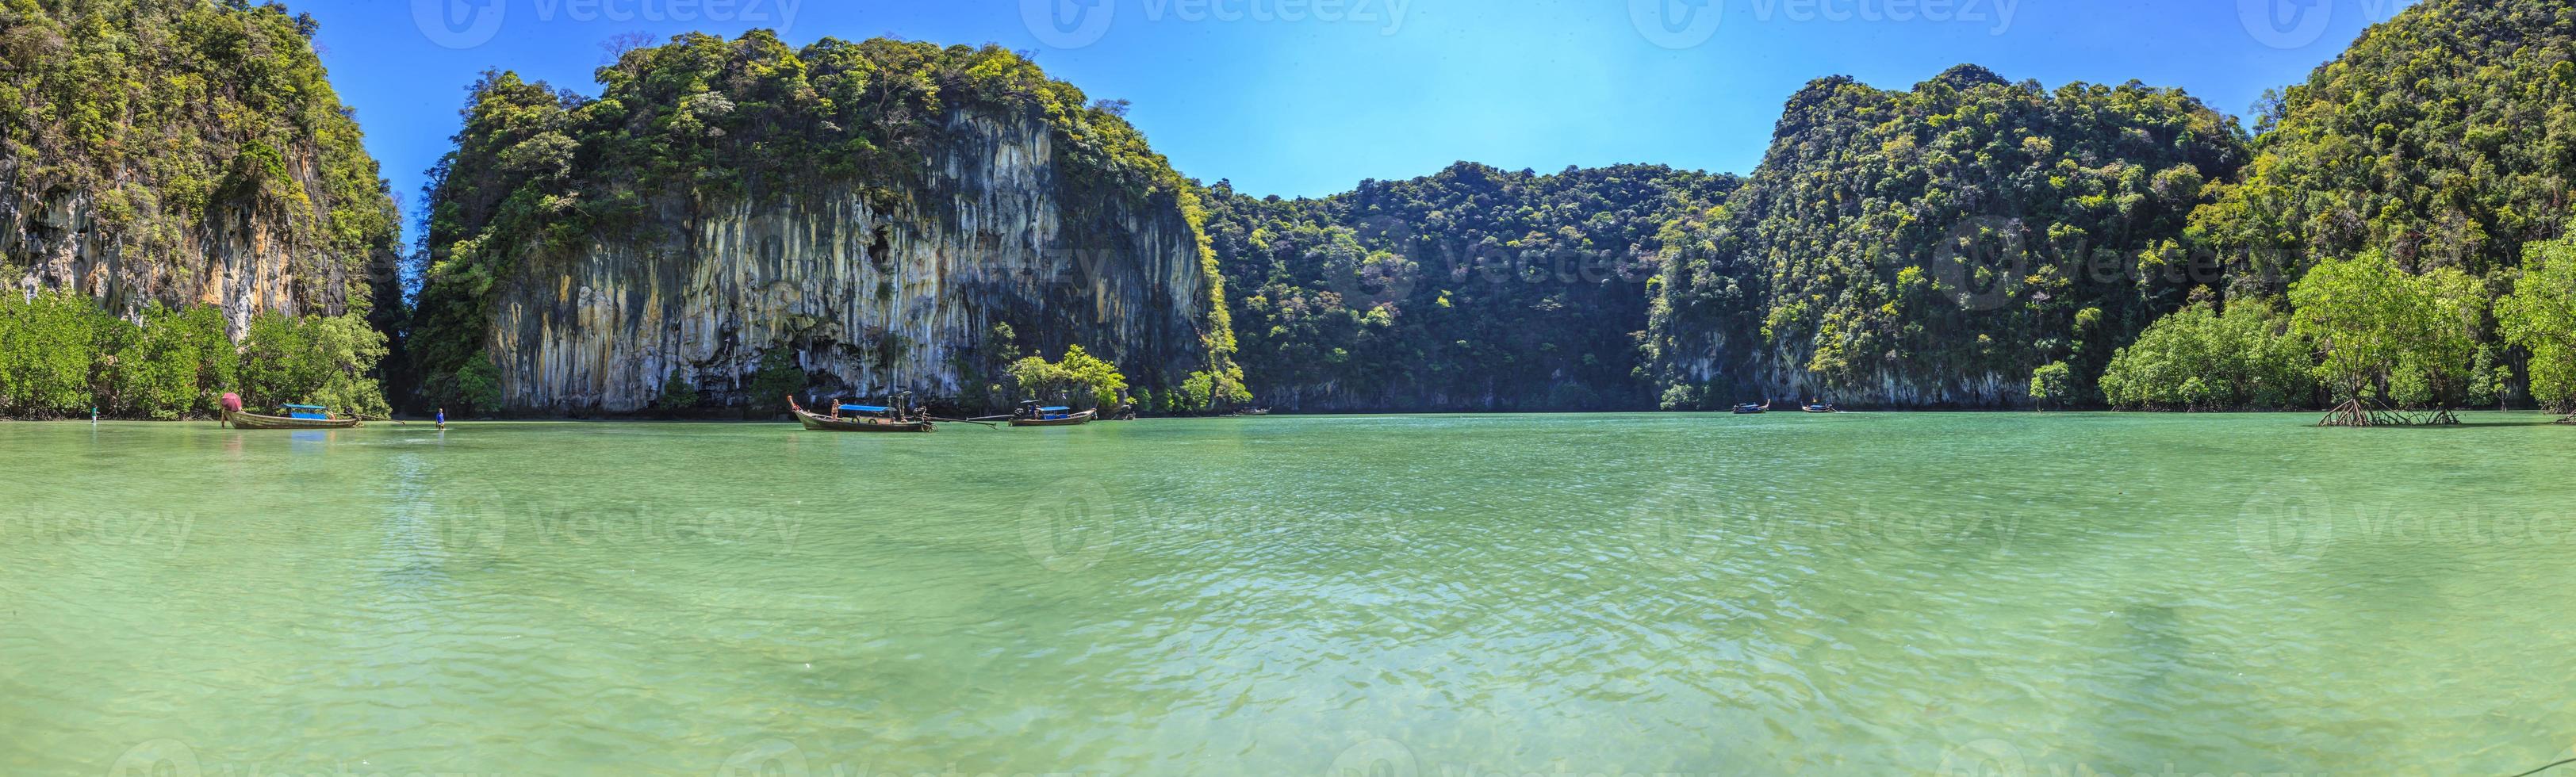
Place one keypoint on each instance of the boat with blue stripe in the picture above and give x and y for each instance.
(1033, 415)
(847, 417)
(294, 417)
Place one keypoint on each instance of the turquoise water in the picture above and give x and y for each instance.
(1853, 594)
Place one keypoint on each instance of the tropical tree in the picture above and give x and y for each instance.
(1080, 378)
(171, 365)
(316, 360)
(2540, 317)
(2202, 359)
(48, 346)
(2052, 384)
(2387, 336)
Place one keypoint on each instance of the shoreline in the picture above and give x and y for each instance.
(417, 421)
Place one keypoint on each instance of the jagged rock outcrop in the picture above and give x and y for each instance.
(184, 153)
(733, 220)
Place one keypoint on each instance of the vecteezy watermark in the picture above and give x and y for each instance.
(1679, 529)
(1988, 262)
(174, 758)
(1073, 24)
(472, 526)
(161, 533)
(2295, 24)
(1069, 526)
(1375, 757)
(1677, 24)
(2290, 525)
(1699, 526)
(782, 758)
(465, 24)
(1998, 758)
(1982, 262)
(1682, 24)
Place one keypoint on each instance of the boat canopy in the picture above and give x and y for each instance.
(304, 407)
(1055, 410)
(865, 409)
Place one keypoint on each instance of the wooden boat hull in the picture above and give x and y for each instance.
(257, 421)
(1076, 419)
(817, 423)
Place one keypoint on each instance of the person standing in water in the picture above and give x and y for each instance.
(442, 418)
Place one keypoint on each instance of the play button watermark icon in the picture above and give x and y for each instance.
(1676, 24)
(459, 24)
(1068, 24)
(2285, 24)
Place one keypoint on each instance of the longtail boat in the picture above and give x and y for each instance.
(1750, 409)
(1821, 407)
(871, 419)
(1052, 416)
(297, 417)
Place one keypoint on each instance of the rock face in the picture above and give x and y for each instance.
(869, 293)
(240, 260)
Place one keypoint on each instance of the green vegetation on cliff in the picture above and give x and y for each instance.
(1472, 289)
(2445, 137)
(538, 172)
(170, 117)
(1939, 246)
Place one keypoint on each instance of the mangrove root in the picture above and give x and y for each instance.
(2355, 413)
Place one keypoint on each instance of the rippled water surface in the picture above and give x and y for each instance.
(1854, 594)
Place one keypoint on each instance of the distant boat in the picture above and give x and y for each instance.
(297, 417)
(1752, 409)
(1821, 408)
(869, 418)
(1030, 415)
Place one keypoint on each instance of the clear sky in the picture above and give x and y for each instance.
(1308, 97)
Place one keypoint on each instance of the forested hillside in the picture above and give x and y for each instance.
(1473, 289)
(1938, 247)
(2445, 136)
(182, 170)
(2423, 165)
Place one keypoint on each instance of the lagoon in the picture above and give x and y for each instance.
(1847, 594)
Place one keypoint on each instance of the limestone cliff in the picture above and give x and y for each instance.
(867, 296)
(237, 259)
(730, 220)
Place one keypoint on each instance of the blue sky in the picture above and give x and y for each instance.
(1308, 97)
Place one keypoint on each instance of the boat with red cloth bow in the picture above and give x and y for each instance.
(297, 417)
